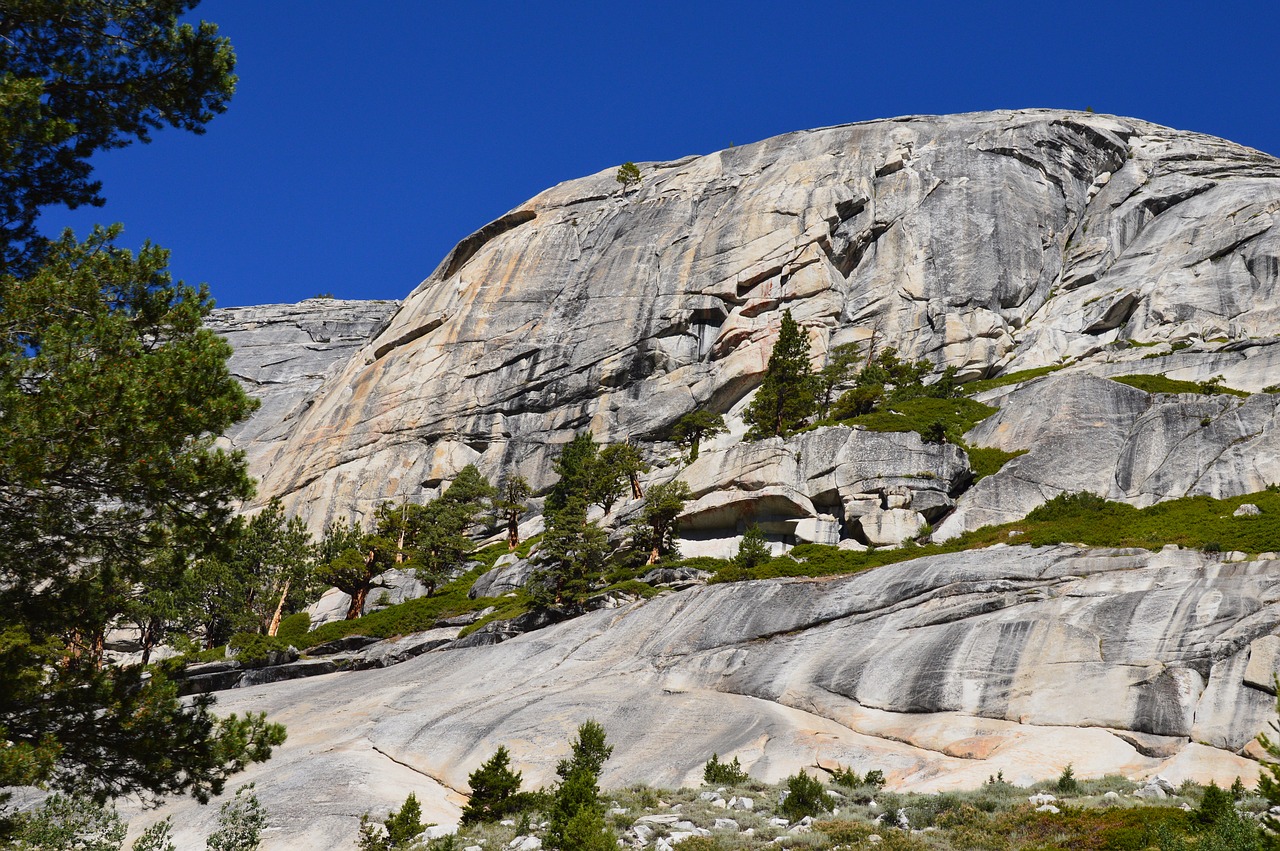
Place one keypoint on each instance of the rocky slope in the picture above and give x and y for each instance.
(283, 353)
(993, 242)
(940, 671)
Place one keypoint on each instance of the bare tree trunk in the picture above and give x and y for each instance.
(357, 603)
(636, 493)
(275, 618)
(513, 530)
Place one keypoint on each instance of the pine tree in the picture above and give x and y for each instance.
(696, 426)
(753, 550)
(510, 504)
(576, 814)
(788, 395)
(661, 508)
(493, 789)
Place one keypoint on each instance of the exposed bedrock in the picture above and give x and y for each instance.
(283, 353)
(939, 671)
(1086, 433)
(990, 241)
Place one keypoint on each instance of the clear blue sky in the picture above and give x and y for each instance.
(366, 138)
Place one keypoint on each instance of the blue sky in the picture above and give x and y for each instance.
(365, 139)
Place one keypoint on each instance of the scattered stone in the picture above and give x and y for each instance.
(1248, 509)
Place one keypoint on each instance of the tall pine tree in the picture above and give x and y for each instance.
(789, 393)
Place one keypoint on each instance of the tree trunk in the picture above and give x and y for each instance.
(357, 602)
(275, 618)
(636, 493)
(513, 530)
(147, 634)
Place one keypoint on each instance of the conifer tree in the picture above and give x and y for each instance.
(694, 427)
(494, 787)
(576, 813)
(788, 395)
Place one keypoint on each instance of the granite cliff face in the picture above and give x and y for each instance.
(992, 242)
(283, 353)
(940, 671)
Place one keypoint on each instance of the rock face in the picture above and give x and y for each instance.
(939, 671)
(284, 352)
(1087, 433)
(991, 241)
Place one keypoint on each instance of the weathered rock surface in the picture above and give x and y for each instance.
(284, 352)
(1087, 433)
(989, 241)
(939, 671)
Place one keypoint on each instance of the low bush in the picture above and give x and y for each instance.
(253, 650)
(717, 773)
(1156, 383)
(294, 627)
(806, 796)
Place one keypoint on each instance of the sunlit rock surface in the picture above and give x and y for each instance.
(940, 671)
(990, 241)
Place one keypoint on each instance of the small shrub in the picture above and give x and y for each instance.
(253, 650)
(806, 796)
(874, 778)
(753, 550)
(397, 831)
(240, 823)
(717, 773)
(1067, 783)
(846, 777)
(293, 627)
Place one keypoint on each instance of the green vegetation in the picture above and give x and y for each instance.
(806, 796)
(984, 384)
(788, 396)
(576, 813)
(695, 427)
(987, 461)
(1198, 522)
(495, 790)
(1160, 384)
(717, 773)
(397, 831)
(922, 415)
(82, 76)
(628, 175)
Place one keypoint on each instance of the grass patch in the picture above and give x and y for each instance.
(1197, 522)
(987, 461)
(407, 617)
(921, 415)
(984, 384)
(1162, 384)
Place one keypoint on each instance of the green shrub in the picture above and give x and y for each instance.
(253, 650)
(1018, 377)
(846, 777)
(874, 777)
(717, 773)
(987, 461)
(1067, 783)
(1161, 384)
(806, 796)
(294, 627)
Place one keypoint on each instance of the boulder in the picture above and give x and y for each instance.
(503, 579)
(890, 527)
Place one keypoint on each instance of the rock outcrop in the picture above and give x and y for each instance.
(990, 242)
(283, 353)
(939, 671)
